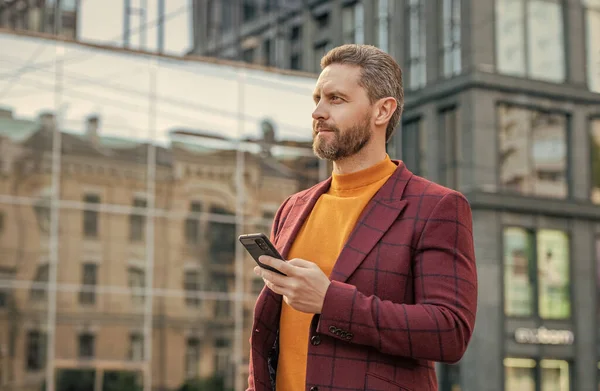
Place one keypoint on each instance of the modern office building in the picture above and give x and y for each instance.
(58, 17)
(502, 104)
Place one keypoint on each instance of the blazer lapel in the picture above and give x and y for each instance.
(269, 301)
(297, 215)
(377, 217)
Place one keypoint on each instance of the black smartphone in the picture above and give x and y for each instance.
(259, 244)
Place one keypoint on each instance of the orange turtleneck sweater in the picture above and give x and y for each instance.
(320, 240)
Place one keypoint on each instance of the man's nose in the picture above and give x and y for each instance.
(319, 113)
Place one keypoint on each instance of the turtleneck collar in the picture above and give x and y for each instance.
(362, 178)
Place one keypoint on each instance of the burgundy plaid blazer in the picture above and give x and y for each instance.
(403, 292)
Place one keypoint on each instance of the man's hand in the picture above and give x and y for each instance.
(304, 286)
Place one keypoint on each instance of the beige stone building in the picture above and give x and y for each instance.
(207, 191)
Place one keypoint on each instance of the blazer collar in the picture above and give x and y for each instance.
(379, 214)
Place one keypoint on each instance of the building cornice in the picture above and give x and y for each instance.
(514, 203)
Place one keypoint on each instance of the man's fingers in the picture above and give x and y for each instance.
(269, 275)
(278, 264)
(280, 290)
(301, 263)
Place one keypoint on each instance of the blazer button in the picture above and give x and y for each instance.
(314, 389)
(315, 340)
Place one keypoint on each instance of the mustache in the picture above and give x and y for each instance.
(323, 125)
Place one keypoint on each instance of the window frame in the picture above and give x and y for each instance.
(354, 33)
(192, 296)
(420, 61)
(88, 297)
(195, 343)
(138, 220)
(454, 161)
(587, 8)
(134, 274)
(500, 189)
(41, 276)
(91, 212)
(590, 121)
(383, 23)
(86, 336)
(534, 280)
(136, 338)
(525, 39)
(537, 369)
(448, 51)
(419, 119)
(39, 338)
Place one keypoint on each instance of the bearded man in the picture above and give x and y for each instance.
(380, 277)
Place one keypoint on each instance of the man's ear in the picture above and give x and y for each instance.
(385, 108)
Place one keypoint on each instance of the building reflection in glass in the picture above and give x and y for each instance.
(149, 282)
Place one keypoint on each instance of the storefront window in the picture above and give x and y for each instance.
(522, 374)
(518, 252)
(554, 375)
(553, 271)
(519, 374)
(536, 262)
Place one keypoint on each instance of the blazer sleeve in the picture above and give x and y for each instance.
(439, 325)
(277, 222)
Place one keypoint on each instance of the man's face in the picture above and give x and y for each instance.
(342, 116)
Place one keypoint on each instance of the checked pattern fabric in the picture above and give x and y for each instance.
(403, 292)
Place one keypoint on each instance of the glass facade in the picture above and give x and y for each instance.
(58, 17)
(125, 180)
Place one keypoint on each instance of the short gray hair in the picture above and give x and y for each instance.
(381, 75)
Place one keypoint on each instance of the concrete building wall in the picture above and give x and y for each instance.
(476, 93)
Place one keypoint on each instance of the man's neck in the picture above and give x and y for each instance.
(362, 160)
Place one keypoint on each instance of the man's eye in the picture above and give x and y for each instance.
(334, 98)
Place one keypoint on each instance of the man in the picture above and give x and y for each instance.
(380, 272)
